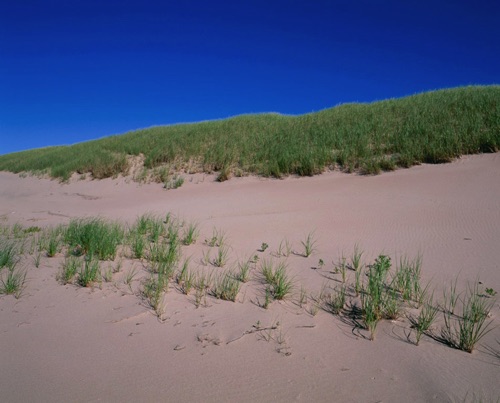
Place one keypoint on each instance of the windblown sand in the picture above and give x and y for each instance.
(61, 343)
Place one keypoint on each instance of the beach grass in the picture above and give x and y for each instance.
(431, 127)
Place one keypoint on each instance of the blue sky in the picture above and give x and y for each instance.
(78, 70)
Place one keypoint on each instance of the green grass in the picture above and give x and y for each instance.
(8, 253)
(94, 236)
(466, 330)
(431, 127)
(12, 282)
(280, 284)
(71, 266)
(226, 286)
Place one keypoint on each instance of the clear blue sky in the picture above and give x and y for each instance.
(75, 70)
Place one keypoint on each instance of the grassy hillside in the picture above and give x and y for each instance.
(431, 127)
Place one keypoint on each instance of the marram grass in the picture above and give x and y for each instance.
(431, 127)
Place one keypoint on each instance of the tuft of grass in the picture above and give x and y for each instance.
(465, 331)
(153, 290)
(309, 244)
(71, 266)
(8, 253)
(191, 233)
(186, 278)
(406, 279)
(226, 286)
(280, 285)
(129, 277)
(138, 245)
(356, 262)
(94, 236)
(54, 244)
(218, 238)
(222, 256)
(285, 248)
(244, 271)
(12, 282)
(90, 273)
(175, 182)
(202, 284)
(423, 322)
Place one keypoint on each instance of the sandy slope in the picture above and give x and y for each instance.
(63, 343)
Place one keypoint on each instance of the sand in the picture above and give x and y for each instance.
(64, 343)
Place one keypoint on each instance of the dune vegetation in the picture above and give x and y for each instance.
(431, 127)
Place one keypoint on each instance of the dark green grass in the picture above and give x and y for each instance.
(94, 236)
(431, 127)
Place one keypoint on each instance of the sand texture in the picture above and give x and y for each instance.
(62, 343)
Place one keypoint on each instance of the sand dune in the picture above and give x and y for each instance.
(66, 343)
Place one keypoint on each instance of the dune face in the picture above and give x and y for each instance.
(71, 343)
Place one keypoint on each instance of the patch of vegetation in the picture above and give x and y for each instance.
(226, 286)
(280, 284)
(13, 281)
(94, 236)
(431, 127)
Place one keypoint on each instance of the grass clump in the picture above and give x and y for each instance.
(309, 244)
(280, 285)
(191, 233)
(12, 282)
(423, 322)
(89, 273)
(94, 236)
(8, 253)
(464, 331)
(226, 286)
(71, 266)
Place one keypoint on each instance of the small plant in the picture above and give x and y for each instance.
(8, 252)
(138, 245)
(175, 182)
(341, 267)
(70, 267)
(89, 274)
(309, 244)
(464, 332)
(226, 287)
(244, 272)
(206, 258)
(12, 282)
(451, 297)
(152, 292)
(185, 278)
(279, 283)
(263, 247)
(222, 256)
(218, 238)
(424, 320)
(201, 285)
(129, 277)
(321, 263)
(36, 259)
(191, 234)
(406, 279)
(490, 292)
(356, 258)
(53, 245)
(285, 248)
(370, 313)
(108, 275)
